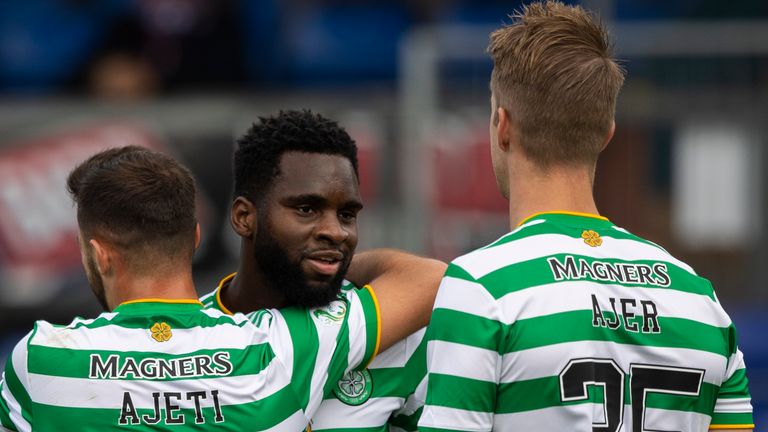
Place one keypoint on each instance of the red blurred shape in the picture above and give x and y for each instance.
(37, 218)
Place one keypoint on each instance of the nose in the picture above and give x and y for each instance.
(330, 229)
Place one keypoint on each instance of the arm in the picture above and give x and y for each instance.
(405, 286)
(15, 403)
(733, 408)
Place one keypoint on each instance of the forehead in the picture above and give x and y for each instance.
(316, 174)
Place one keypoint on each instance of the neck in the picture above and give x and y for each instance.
(250, 290)
(163, 285)
(559, 188)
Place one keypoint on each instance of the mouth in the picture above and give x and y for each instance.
(325, 262)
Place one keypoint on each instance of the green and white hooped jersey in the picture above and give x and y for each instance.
(389, 394)
(572, 323)
(156, 365)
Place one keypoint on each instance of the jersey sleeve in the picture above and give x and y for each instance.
(464, 340)
(15, 401)
(319, 345)
(383, 394)
(733, 408)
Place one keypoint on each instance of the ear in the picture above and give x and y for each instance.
(197, 235)
(242, 217)
(610, 134)
(503, 129)
(103, 256)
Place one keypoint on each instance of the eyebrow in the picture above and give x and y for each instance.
(319, 200)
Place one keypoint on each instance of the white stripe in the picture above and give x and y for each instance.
(334, 414)
(209, 298)
(19, 360)
(735, 405)
(15, 409)
(108, 394)
(398, 354)
(484, 261)
(358, 338)
(415, 400)
(572, 418)
(327, 346)
(449, 358)
(113, 337)
(661, 419)
(281, 342)
(551, 359)
(577, 295)
(468, 297)
(457, 419)
(296, 422)
(735, 363)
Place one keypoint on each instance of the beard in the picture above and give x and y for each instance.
(95, 281)
(287, 276)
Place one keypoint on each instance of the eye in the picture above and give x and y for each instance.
(305, 210)
(348, 216)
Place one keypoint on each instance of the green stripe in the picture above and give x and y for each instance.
(340, 358)
(576, 326)
(537, 272)
(407, 422)
(77, 363)
(196, 319)
(5, 419)
(541, 393)
(305, 348)
(443, 390)
(453, 326)
(257, 415)
(737, 386)
(15, 386)
(722, 419)
(571, 226)
(358, 429)
(455, 271)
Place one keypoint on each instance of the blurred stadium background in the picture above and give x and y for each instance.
(686, 169)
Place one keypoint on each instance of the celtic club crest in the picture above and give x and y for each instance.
(354, 388)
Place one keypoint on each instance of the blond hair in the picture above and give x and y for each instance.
(554, 74)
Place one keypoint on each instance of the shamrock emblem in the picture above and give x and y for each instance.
(591, 238)
(353, 384)
(161, 332)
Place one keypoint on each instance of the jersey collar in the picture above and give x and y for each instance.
(562, 216)
(156, 303)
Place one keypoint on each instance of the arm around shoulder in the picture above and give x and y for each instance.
(405, 286)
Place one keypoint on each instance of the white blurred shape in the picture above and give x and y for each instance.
(716, 199)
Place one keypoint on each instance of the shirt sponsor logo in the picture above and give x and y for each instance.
(112, 367)
(354, 388)
(572, 268)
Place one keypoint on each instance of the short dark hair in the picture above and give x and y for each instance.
(139, 200)
(258, 153)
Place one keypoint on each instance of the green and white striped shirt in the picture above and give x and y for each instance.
(389, 394)
(155, 365)
(572, 323)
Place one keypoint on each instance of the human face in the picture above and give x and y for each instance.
(307, 227)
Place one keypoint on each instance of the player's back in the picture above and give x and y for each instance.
(585, 325)
(152, 366)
